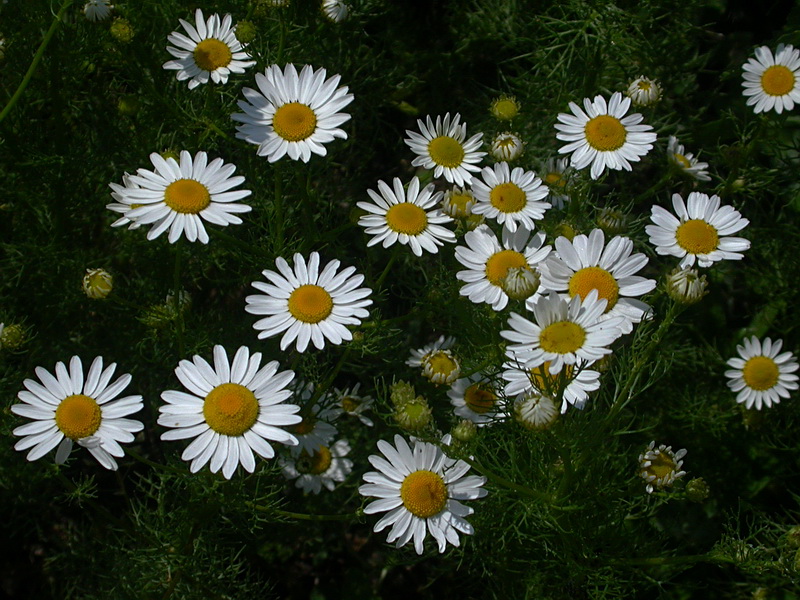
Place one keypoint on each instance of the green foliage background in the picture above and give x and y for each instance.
(566, 515)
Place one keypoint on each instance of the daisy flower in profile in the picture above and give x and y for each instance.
(180, 196)
(321, 467)
(686, 286)
(511, 197)
(489, 263)
(772, 82)
(307, 304)
(588, 263)
(603, 136)
(97, 10)
(475, 398)
(507, 146)
(232, 410)
(71, 408)
(686, 163)
(565, 332)
(406, 216)
(660, 467)
(420, 489)
(350, 403)
(557, 173)
(335, 10)
(211, 51)
(291, 114)
(572, 384)
(700, 232)
(438, 363)
(440, 146)
(761, 375)
(644, 91)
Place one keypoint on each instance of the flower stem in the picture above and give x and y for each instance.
(502, 481)
(176, 300)
(303, 516)
(386, 269)
(278, 207)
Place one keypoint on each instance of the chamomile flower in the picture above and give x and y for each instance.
(511, 197)
(232, 410)
(351, 403)
(535, 411)
(291, 114)
(475, 398)
(440, 146)
(325, 466)
(406, 216)
(420, 489)
(572, 384)
(180, 196)
(316, 428)
(69, 408)
(565, 332)
(772, 82)
(335, 10)
(660, 467)
(557, 174)
(762, 375)
(700, 232)
(588, 263)
(307, 304)
(686, 286)
(603, 136)
(457, 202)
(438, 363)
(507, 146)
(97, 10)
(489, 262)
(686, 163)
(211, 51)
(644, 91)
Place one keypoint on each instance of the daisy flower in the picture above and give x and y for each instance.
(335, 10)
(772, 82)
(120, 207)
(603, 136)
(660, 467)
(588, 263)
(293, 114)
(565, 332)
(180, 196)
(701, 231)
(507, 146)
(440, 146)
(211, 51)
(69, 408)
(489, 263)
(510, 197)
(97, 10)
(644, 91)
(686, 285)
(352, 404)
(309, 304)
(505, 108)
(572, 384)
(475, 398)
(438, 363)
(420, 488)
(457, 202)
(232, 410)
(321, 467)
(761, 374)
(557, 174)
(406, 216)
(686, 163)
(316, 428)
(535, 411)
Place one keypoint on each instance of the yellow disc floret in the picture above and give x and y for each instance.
(661, 466)
(556, 180)
(424, 493)
(446, 151)
(187, 196)
(310, 304)
(500, 262)
(605, 133)
(760, 373)
(777, 80)
(508, 197)
(478, 399)
(78, 416)
(294, 121)
(316, 463)
(562, 337)
(682, 161)
(697, 237)
(595, 278)
(406, 218)
(211, 54)
(230, 409)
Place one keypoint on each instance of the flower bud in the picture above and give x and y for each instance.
(245, 31)
(504, 108)
(122, 30)
(401, 392)
(644, 91)
(414, 415)
(507, 146)
(520, 283)
(97, 283)
(686, 286)
(464, 431)
(697, 490)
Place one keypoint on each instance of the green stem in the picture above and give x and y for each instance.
(282, 37)
(320, 389)
(237, 243)
(37, 58)
(303, 516)
(653, 188)
(494, 478)
(386, 270)
(278, 207)
(176, 300)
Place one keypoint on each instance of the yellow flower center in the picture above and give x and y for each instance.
(459, 205)
(314, 464)
(446, 151)
(310, 303)
(350, 403)
(777, 80)
(78, 416)
(406, 218)
(211, 54)
(760, 373)
(441, 363)
(230, 409)
(644, 85)
(187, 196)
(424, 493)
(508, 197)
(595, 278)
(562, 337)
(294, 121)
(605, 133)
(499, 263)
(682, 161)
(305, 426)
(542, 380)
(661, 466)
(555, 180)
(478, 399)
(505, 109)
(697, 237)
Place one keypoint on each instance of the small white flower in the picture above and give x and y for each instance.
(335, 10)
(511, 197)
(644, 91)
(762, 375)
(321, 467)
(772, 82)
(660, 467)
(687, 163)
(507, 146)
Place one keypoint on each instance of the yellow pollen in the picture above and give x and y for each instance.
(211, 54)
(230, 409)
(505, 109)
(424, 494)
(499, 263)
(682, 161)
(508, 197)
(562, 337)
(406, 218)
(595, 278)
(446, 151)
(350, 403)
(314, 464)
(294, 121)
(605, 133)
(78, 416)
(777, 80)
(310, 303)
(661, 466)
(479, 399)
(555, 180)
(441, 363)
(760, 373)
(187, 196)
(697, 237)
